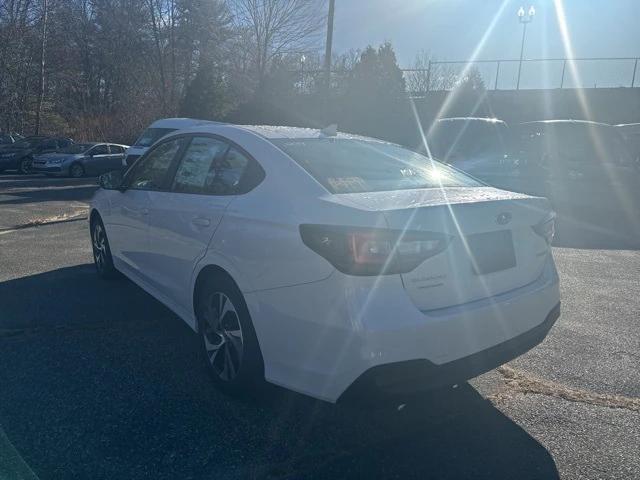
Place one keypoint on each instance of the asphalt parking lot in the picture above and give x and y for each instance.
(99, 380)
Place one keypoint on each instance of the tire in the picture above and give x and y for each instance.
(76, 170)
(24, 165)
(102, 258)
(229, 346)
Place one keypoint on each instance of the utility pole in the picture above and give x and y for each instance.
(327, 52)
(42, 59)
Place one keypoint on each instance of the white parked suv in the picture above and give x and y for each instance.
(325, 262)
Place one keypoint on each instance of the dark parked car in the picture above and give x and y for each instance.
(81, 159)
(19, 155)
(9, 138)
(631, 133)
(584, 168)
(475, 145)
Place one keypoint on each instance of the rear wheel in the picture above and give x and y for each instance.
(76, 170)
(228, 340)
(24, 166)
(101, 252)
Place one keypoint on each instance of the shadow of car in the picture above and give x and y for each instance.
(118, 390)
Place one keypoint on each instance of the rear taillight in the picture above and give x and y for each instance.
(546, 229)
(372, 251)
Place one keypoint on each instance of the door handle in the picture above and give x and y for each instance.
(201, 222)
(144, 211)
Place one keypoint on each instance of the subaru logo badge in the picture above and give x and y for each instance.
(503, 218)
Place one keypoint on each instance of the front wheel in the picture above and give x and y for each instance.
(76, 170)
(228, 340)
(24, 166)
(101, 252)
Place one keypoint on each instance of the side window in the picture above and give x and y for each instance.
(232, 170)
(150, 172)
(48, 145)
(197, 171)
(99, 150)
(116, 149)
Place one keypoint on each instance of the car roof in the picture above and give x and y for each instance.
(272, 132)
(180, 123)
(471, 119)
(629, 126)
(566, 122)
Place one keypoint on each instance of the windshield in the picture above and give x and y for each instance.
(353, 165)
(151, 135)
(452, 140)
(77, 148)
(28, 143)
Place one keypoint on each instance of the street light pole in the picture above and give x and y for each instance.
(524, 19)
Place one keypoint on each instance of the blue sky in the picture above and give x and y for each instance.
(453, 29)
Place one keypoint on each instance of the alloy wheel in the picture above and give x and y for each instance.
(25, 166)
(99, 246)
(222, 336)
(76, 171)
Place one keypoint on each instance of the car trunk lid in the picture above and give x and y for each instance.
(493, 247)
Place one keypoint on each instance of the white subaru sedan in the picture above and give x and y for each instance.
(327, 262)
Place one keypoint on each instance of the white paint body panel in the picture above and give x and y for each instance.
(320, 329)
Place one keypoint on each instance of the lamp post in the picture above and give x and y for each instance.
(524, 18)
(302, 84)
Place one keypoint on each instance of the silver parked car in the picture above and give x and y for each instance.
(81, 159)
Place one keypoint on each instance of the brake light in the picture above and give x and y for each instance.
(546, 229)
(372, 251)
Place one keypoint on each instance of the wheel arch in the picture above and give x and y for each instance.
(206, 271)
(93, 216)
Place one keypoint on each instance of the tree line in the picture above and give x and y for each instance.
(104, 69)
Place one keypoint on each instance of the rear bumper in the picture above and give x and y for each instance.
(341, 328)
(417, 375)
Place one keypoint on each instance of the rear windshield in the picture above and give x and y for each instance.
(150, 136)
(353, 165)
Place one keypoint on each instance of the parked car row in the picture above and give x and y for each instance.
(59, 156)
(578, 165)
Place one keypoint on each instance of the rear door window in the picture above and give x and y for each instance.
(116, 149)
(197, 171)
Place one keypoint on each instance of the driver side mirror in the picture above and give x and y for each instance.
(112, 181)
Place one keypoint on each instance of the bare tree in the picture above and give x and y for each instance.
(278, 27)
(426, 74)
